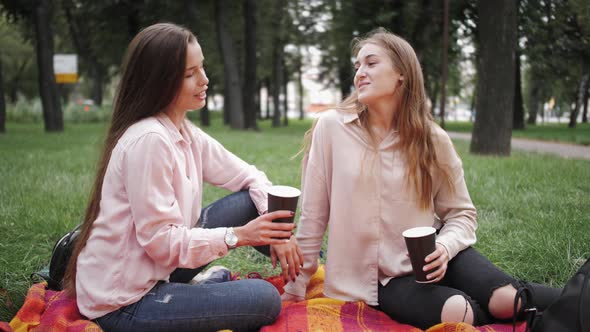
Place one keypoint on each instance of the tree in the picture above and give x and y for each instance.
(580, 100)
(277, 61)
(445, 47)
(40, 12)
(82, 27)
(518, 113)
(250, 86)
(16, 53)
(232, 92)
(497, 25)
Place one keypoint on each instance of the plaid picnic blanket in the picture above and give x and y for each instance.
(318, 313)
(49, 311)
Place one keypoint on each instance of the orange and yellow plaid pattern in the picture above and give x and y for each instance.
(320, 314)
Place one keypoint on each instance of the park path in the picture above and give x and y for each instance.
(561, 149)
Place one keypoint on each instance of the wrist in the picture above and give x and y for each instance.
(239, 232)
(231, 239)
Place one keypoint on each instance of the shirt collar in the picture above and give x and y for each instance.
(350, 117)
(175, 134)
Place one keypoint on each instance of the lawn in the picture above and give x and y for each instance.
(533, 209)
(555, 132)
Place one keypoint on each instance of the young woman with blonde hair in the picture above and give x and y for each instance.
(377, 165)
(140, 243)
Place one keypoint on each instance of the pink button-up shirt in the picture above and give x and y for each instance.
(151, 201)
(363, 196)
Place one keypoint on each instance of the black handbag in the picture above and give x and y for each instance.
(60, 256)
(570, 312)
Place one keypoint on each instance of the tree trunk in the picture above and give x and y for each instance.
(258, 100)
(492, 130)
(434, 97)
(82, 43)
(97, 74)
(285, 95)
(2, 103)
(345, 75)
(250, 64)
(14, 81)
(52, 112)
(472, 106)
(579, 100)
(300, 89)
(277, 61)
(585, 112)
(204, 114)
(533, 104)
(443, 97)
(232, 101)
(518, 115)
(268, 97)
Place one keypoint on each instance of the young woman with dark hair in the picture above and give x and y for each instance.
(139, 245)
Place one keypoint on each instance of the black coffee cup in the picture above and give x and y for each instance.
(283, 198)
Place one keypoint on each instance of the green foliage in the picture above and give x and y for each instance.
(24, 111)
(18, 61)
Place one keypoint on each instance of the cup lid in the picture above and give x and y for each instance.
(419, 231)
(284, 191)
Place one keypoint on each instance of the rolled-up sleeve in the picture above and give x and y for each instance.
(159, 224)
(314, 214)
(453, 205)
(222, 168)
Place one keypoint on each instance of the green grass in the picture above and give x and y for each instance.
(533, 209)
(547, 132)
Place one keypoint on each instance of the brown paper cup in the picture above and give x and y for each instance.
(420, 243)
(283, 198)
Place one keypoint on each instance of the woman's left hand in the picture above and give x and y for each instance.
(437, 261)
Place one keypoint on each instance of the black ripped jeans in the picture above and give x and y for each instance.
(469, 274)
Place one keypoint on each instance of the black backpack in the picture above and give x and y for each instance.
(60, 255)
(570, 312)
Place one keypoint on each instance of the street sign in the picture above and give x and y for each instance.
(65, 67)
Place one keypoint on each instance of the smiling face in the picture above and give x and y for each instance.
(192, 94)
(376, 79)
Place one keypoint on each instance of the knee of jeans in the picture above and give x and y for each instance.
(270, 299)
(501, 303)
(457, 308)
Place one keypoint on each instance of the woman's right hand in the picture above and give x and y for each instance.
(290, 258)
(262, 231)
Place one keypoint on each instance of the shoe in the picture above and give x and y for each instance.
(213, 275)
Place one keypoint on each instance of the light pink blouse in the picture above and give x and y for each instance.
(151, 199)
(362, 197)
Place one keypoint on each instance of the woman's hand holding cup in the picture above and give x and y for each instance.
(262, 231)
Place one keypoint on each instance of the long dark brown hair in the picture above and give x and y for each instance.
(151, 76)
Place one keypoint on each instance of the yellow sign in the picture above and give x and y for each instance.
(65, 67)
(66, 78)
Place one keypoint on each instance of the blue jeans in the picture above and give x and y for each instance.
(241, 305)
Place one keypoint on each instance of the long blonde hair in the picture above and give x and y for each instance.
(412, 120)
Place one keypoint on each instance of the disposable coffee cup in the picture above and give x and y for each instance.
(283, 198)
(420, 243)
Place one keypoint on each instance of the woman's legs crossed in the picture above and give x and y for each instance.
(242, 305)
(234, 210)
